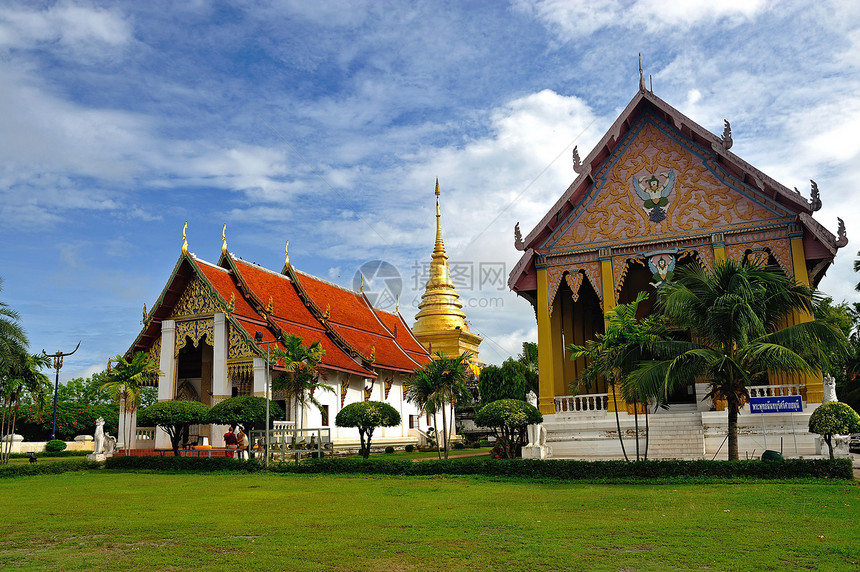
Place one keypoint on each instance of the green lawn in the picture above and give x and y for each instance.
(290, 522)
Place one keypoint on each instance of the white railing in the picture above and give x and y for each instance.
(774, 390)
(144, 438)
(581, 403)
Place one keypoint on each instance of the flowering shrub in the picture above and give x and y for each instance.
(72, 419)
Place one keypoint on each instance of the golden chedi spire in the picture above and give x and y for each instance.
(440, 320)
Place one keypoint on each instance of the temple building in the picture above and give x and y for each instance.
(440, 324)
(657, 192)
(211, 327)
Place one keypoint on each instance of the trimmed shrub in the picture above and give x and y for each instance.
(245, 410)
(47, 468)
(508, 419)
(55, 445)
(833, 418)
(410, 448)
(459, 446)
(367, 416)
(389, 450)
(178, 464)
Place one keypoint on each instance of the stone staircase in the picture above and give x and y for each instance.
(676, 436)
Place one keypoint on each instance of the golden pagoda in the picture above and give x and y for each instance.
(440, 323)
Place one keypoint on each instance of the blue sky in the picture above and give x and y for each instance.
(327, 123)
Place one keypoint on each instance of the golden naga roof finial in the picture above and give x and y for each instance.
(232, 305)
(271, 307)
(184, 240)
(361, 287)
(372, 354)
(287, 255)
(397, 304)
(144, 312)
(224, 240)
(641, 76)
(327, 314)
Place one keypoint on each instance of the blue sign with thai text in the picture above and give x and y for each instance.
(785, 404)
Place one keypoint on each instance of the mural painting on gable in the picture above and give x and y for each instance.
(654, 185)
(662, 268)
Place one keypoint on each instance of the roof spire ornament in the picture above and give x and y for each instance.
(287, 255)
(224, 240)
(842, 239)
(641, 76)
(518, 238)
(815, 200)
(145, 313)
(577, 162)
(184, 239)
(726, 139)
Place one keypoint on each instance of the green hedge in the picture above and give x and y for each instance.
(172, 463)
(41, 454)
(583, 470)
(47, 468)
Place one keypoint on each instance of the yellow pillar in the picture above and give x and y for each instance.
(559, 385)
(719, 246)
(607, 286)
(546, 378)
(814, 383)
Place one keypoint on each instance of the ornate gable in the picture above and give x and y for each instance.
(196, 301)
(657, 185)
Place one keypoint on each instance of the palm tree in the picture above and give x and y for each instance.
(13, 340)
(735, 315)
(615, 353)
(302, 376)
(441, 384)
(22, 378)
(421, 391)
(125, 383)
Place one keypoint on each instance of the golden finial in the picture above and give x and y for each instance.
(271, 307)
(397, 304)
(232, 305)
(224, 239)
(287, 255)
(641, 76)
(144, 311)
(437, 196)
(327, 314)
(361, 287)
(184, 240)
(372, 354)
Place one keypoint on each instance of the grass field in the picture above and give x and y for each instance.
(288, 522)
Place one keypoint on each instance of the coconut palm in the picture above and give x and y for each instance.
(615, 353)
(735, 315)
(125, 382)
(13, 340)
(302, 375)
(22, 379)
(441, 384)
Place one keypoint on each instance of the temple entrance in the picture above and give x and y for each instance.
(194, 371)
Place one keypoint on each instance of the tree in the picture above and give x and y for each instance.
(245, 410)
(439, 385)
(735, 314)
(508, 419)
(508, 381)
(367, 416)
(125, 383)
(614, 354)
(21, 377)
(176, 416)
(13, 340)
(529, 359)
(302, 375)
(833, 418)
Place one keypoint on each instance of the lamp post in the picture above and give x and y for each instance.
(58, 364)
(258, 339)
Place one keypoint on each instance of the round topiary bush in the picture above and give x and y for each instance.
(389, 449)
(410, 448)
(459, 446)
(508, 418)
(833, 418)
(55, 445)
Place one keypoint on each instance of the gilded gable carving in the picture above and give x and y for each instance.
(658, 188)
(238, 346)
(155, 351)
(195, 330)
(197, 300)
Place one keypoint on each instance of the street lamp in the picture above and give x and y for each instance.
(58, 363)
(258, 339)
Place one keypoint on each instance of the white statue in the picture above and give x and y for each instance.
(110, 445)
(537, 447)
(99, 437)
(829, 389)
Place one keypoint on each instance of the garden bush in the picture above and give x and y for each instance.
(174, 464)
(47, 468)
(459, 446)
(508, 418)
(55, 445)
(389, 449)
(410, 448)
(72, 419)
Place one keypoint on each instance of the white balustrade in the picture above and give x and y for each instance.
(773, 390)
(581, 403)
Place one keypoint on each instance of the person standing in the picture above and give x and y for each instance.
(240, 441)
(230, 441)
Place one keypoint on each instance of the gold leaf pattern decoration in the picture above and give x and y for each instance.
(195, 330)
(155, 351)
(574, 281)
(553, 281)
(238, 347)
(779, 248)
(197, 300)
(344, 387)
(699, 201)
(388, 382)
